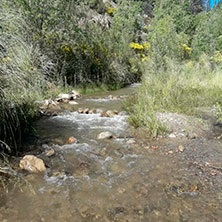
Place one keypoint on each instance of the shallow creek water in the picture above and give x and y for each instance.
(116, 180)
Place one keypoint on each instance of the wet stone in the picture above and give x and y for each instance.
(50, 153)
(73, 103)
(90, 111)
(105, 135)
(71, 140)
(181, 148)
(80, 110)
(110, 113)
(32, 164)
(131, 141)
(86, 111)
(104, 114)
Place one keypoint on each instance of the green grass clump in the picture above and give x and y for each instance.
(21, 76)
(179, 89)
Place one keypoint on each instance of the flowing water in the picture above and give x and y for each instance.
(116, 179)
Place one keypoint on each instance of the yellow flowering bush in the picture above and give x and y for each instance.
(141, 49)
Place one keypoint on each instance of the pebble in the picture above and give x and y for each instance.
(50, 152)
(71, 140)
(80, 110)
(105, 135)
(172, 135)
(181, 148)
(86, 111)
(131, 141)
(104, 114)
(73, 103)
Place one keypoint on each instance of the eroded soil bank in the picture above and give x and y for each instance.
(126, 178)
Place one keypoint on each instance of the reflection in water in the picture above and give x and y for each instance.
(109, 180)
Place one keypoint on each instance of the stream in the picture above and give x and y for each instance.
(129, 178)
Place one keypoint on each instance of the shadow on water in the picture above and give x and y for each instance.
(117, 179)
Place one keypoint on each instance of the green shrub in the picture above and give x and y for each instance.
(208, 36)
(165, 43)
(85, 43)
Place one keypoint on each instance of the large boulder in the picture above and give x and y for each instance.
(32, 164)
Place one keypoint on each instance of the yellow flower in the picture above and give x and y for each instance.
(6, 59)
(185, 46)
(144, 59)
(66, 48)
(218, 57)
(146, 45)
(110, 10)
(134, 45)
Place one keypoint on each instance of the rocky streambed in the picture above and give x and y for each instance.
(98, 168)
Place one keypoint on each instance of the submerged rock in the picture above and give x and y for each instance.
(105, 135)
(50, 153)
(71, 140)
(32, 164)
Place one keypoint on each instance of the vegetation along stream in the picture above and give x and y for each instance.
(123, 178)
(110, 111)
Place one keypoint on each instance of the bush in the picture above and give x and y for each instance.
(166, 43)
(86, 42)
(208, 36)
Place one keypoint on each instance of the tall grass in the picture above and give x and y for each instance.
(177, 89)
(21, 76)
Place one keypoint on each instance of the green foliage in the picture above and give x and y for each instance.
(85, 43)
(182, 13)
(208, 36)
(21, 76)
(177, 89)
(166, 43)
